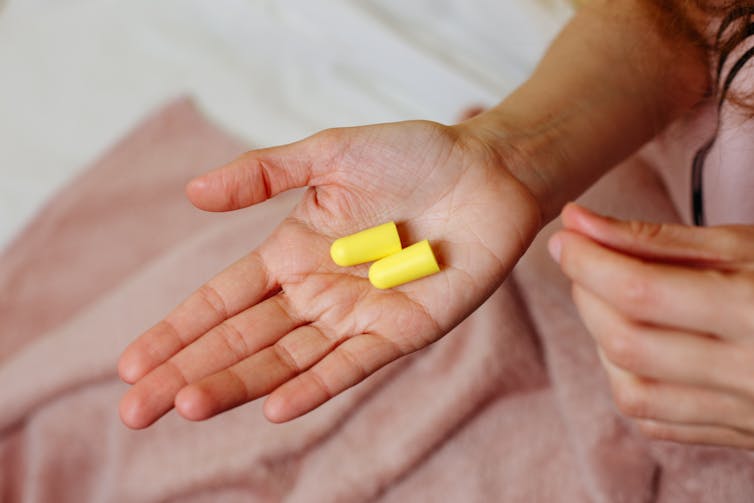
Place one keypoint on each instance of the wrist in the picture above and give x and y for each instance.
(585, 110)
(521, 151)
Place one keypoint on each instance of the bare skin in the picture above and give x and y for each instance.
(286, 323)
(670, 308)
(285, 319)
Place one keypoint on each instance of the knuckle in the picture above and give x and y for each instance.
(645, 231)
(736, 375)
(231, 184)
(744, 286)
(287, 358)
(636, 292)
(264, 177)
(248, 182)
(736, 411)
(738, 287)
(353, 361)
(731, 244)
(320, 383)
(632, 400)
(746, 422)
(621, 348)
(328, 148)
(210, 296)
(233, 339)
(741, 377)
(331, 137)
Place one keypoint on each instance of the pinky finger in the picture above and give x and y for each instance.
(347, 365)
(696, 434)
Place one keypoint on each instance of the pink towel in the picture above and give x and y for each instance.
(511, 406)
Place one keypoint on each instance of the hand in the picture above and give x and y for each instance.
(286, 321)
(672, 311)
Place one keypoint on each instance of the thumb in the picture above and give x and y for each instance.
(259, 175)
(707, 246)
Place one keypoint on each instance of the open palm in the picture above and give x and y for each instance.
(285, 320)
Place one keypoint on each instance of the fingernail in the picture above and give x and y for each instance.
(554, 246)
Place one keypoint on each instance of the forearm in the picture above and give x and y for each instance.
(610, 82)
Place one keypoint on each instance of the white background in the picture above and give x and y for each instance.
(75, 75)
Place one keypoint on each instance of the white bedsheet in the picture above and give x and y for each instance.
(77, 74)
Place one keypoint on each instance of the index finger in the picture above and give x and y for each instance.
(240, 286)
(699, 300)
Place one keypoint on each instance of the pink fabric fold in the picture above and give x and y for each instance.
(511, 406)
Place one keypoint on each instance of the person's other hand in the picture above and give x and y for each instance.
(285, 320)
(671, 308)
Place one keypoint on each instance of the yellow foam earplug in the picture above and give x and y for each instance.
(412, 263)
(366, 246)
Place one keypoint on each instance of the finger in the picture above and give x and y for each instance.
(705, 301)
(471, 112)
(660, 353)
(350, 363)
(241, 285)
(261, 174)
(691, 434)
(255, 376)
(240, 336)
(640, 398)
(728, 246)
